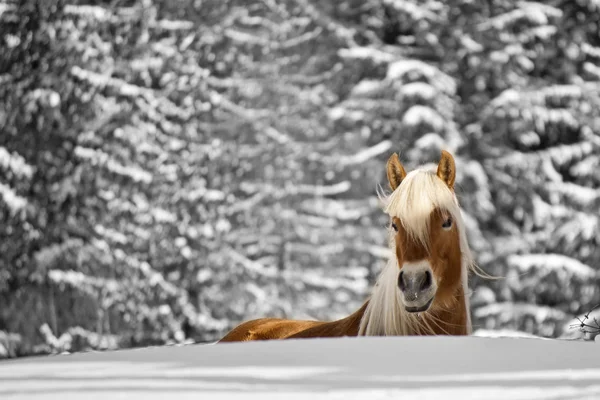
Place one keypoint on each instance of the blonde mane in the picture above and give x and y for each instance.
(420, 192)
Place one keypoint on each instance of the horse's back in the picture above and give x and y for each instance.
(267, 329)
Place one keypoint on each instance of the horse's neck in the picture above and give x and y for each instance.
(347, 326)
(352, 322)
(452, 320)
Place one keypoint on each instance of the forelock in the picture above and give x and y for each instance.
(419, 194)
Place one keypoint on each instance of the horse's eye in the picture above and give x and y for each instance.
(447, 223)
(395, 226)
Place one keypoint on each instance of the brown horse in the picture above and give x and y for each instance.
(423, 288)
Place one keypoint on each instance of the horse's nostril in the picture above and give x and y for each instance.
(401, 281)
(426, 283)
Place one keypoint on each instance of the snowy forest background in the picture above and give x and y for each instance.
(170, 168)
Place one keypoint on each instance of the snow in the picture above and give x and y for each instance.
(362, 53)
(418, 89)
(511, 311)
(500, 333)
(583, 195)
(419, 114)
(4, 7)
(12, 199)
(174, 25)
(163, 216)
(98, 157)
(15, 163)
(533, 12)
(417, 12)
(589, 49)
(592, 69)
(429, 141)
(365, 154)
(399, 69)
(96, 13)
(344, 368)
(473, 392)
(551, 262)
(483, 295)
(368, 88)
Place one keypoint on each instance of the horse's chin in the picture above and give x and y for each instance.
(418, 308)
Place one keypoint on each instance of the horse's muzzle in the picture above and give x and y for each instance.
(417, 287)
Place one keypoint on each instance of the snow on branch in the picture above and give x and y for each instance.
(592, 69)
(543, 116)
(161, 215)
(543, 33)
(126, 89)
(511, 311)
(208, 195)
(95, 13)
(583, 226)
(315, 280)
(102, 81)
(442, 81)
(169, 25)
(565, 154)
(246, 204)
(305, 37)
(78, 280)
(15, 202)
(66, 341)
(420, 90)
(15, 163)
(560, 155)
(362, 156)
(376, 251)
(416, 11)
(310, 80)
(540, 97)
(276, 135)
(508, 245)
(246, 113)
(257, 21)
(334, 209)
(368, 88)
(552, 262)
(583, 167)
(291, 190)
(533, 12)
(590, 50)
(112, 234)
(100, 158)
(47, 256)
(250, 265)
(419, 114)
(322, 190)
(342, 32)
(246, 38)
(367, 53)
(154, 277)
(582, 195)
(502, 333)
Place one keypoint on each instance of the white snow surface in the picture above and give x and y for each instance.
(346, 368)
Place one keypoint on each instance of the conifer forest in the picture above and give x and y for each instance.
(169, 168)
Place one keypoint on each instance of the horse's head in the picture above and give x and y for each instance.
(426, 233)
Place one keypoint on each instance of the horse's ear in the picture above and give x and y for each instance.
(395, 171)
(446, 170)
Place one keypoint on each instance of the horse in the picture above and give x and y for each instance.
(423, 288)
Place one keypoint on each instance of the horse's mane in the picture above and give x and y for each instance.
(418, 195)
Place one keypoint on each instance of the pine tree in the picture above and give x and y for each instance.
(170, 169)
